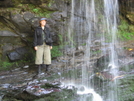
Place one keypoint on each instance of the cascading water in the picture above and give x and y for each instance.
(93, 20)
(111, 15)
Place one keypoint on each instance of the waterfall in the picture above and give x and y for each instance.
(93, 20)
(111, 14)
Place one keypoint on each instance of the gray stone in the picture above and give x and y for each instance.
(27, 16)
(20, 23)
(34, 21)
(7, 33)
(7, 47)
(56, 15)
(17, 54)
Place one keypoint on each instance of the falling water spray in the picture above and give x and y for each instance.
(111, 15)
(96, 20)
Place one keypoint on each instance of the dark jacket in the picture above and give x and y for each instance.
(38, 40)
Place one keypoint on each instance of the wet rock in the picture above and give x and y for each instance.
(5, 86)
(102, 63)
(104, 75)
(37, 90)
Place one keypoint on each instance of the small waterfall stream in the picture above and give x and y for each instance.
(95, 20)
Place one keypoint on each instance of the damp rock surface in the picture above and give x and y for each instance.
(24, 84)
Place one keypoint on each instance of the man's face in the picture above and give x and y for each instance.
(43, 22)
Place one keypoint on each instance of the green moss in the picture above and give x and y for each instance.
(36, 9)
(51, 2)
(56, 51)
(5, 65)
(124, 31)
(40, 11)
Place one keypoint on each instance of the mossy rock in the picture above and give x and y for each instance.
(64, 95)
(126, 89)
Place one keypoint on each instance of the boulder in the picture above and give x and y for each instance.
(20, 53)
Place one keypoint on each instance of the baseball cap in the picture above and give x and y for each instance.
(43, 19)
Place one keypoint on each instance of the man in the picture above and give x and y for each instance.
(42, 45)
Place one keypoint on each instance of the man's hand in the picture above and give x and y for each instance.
(51, 47)
(35, 48)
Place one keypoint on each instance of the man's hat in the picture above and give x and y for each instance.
(43, 19)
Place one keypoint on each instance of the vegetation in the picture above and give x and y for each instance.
(124, 31)
(7, 65)
(56, 52)
(39, 11)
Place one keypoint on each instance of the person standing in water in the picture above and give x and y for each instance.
(42, 45)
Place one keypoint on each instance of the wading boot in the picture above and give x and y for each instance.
(39, 72)
(43, 66)
(47, 66)
(39, 69)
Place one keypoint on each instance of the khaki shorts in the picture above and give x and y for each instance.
(43, 55)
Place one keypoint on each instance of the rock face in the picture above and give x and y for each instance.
(127, 9)
(18, 20)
